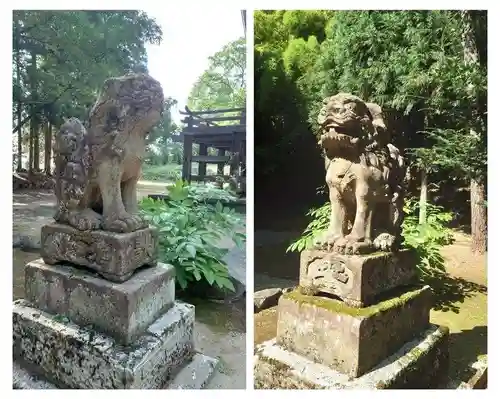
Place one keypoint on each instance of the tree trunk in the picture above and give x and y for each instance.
(36, 148)
(422, 213)
(477, 187)
(35, 164)
(479, 217)
(19, 94)
(30, 158)
(48, 148)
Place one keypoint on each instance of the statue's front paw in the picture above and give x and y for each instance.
(353, 245)
(124, 223)
(385, 242)
(327, 240)
(85, 220)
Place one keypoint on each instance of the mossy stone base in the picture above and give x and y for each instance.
(346, 339)
(421, 363)
(356, 279)
(76, 357)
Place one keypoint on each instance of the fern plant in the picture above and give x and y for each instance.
(425, 239)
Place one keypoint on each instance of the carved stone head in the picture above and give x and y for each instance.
(133, 101)
(349, 124)
(70, 136)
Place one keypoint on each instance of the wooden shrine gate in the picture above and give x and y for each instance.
(223, 130)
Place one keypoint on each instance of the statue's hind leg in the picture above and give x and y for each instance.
(389, 240)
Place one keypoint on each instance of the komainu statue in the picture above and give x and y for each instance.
(364, 173)
(98, 166)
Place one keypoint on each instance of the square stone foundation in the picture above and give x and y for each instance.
(115, 256)
(122, 311)
(419, 364)
(71, 356)
(350, 340)
(357, 279)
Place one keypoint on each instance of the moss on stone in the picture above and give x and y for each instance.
(337, 306)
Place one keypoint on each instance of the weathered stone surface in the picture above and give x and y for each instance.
(115, 256)
(350, 340)
(122, 311)
(22, 379)
(75, 357)
(365, 176)
(479, 378)
(421, 363)
(267, 298)
(356, 279)
(194, 375)
(97, 166)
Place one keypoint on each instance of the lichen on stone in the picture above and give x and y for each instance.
(337, 306)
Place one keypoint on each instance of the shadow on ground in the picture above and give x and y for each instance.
(465, 348)
(450, 291)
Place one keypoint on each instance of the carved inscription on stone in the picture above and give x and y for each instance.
(328, 270)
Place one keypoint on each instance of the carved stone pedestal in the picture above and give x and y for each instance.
(323, 341)
(75, 329)
(122, 311)
(356, 279)
(114, 256)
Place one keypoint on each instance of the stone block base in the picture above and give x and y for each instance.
(356, 279)
(350, 340)
(115, 256)
(122, 311)
(421, 363)
(195, 374)
(70, 356)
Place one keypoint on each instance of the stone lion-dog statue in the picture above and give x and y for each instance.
(97, 166)
(364, 173)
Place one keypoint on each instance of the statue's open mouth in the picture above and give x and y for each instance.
(339, 134)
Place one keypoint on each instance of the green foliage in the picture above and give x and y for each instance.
(409, 62)
(426, 239)
(190, 231)
(61, 59)
(76, 51)
(320, 220)
(203, 192)
(166, 127)
(168, 172)
(223, 84)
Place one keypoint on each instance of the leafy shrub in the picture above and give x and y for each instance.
(168, 172)
(203, 192)
(426, 239)
(321, 219)
(189, 232)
